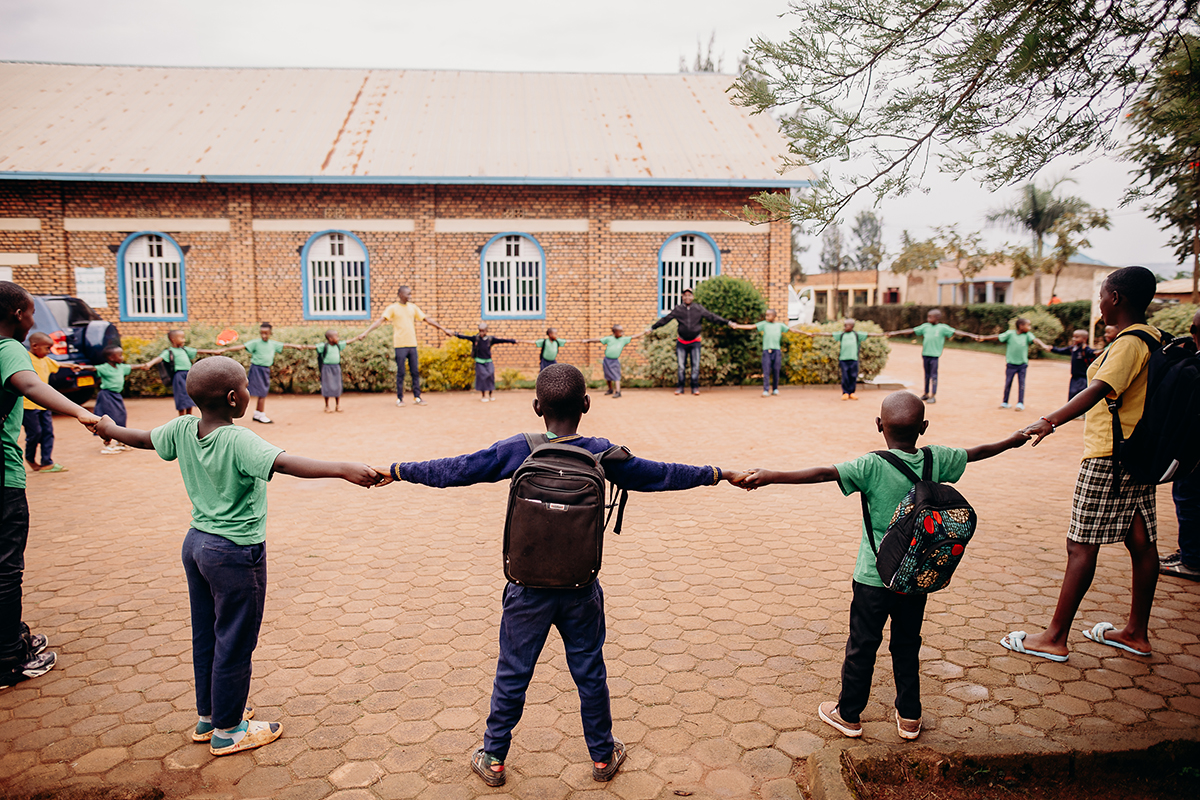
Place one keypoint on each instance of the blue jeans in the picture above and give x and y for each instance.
(772, 362)
(849, 376)
(39, 430)
(409, 355)
(227, 587)
(869, 610)
(1015, 371)
(543, 363)
(14, 533)
(682, 353)
(931, 365)
(526, 620)
(1186, 493)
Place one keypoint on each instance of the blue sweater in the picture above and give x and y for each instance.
(501, 460)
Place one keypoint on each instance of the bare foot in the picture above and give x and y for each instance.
(1042, 643)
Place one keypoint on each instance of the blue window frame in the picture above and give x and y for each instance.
(684, 260)
(512, 277)
(337, 276)
(151, 280)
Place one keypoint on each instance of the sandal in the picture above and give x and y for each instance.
(482, 762)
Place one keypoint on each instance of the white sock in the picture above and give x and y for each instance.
(206, 718)
(235, 734)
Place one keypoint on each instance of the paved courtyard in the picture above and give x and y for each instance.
(727, 611)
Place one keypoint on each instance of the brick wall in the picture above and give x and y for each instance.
(593, 278)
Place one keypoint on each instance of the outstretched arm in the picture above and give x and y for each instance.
(370, 328)
(980, 452)
(27, 383)
(981, 338)
(754, 478)
(740, 327)
(434, 323)
(1042, 344)
(130, 436)
(901, 332)
(301, 467)
(230, 349)
(1077, 406)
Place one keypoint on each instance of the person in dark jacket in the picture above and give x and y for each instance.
(688, 314)
(529, 613)
(485, 368)
(1082, 357)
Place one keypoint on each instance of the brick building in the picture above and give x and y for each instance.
(168, 196)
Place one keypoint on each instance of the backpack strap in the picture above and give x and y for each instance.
(321, 351)
(535, 440)
(1114, 405)
(617, 496)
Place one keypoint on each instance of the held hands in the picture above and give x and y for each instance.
(383, 476)
(1040, 429)
(90, 421)
(361, 475)
(751, 479)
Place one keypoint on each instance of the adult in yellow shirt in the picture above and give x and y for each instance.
(1098, 517)
(404, 317)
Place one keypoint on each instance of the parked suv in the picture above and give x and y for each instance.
(80, 337)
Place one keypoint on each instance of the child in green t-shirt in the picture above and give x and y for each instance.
(934, 333)
(772, 352)
(902, 421)
(1016, 357)
(179, 358)
(850, 343)
(613, 347)
(262, 357)
(112, 374)
(23, 654)
(548, 348)
(329, 359)
(225, 470)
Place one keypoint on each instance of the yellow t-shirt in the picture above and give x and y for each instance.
(44, 367)
(403, 317)
(1124, 367)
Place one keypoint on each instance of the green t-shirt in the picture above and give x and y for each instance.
(225, 475)
(771, 332)
(613, 345)
(885, 487)
(330, 353)
(1016, 346)
(183, 357)
(850, 344)
(549, 348)
(262, 352)
(934, 336)
(13, 358)
(112, 376)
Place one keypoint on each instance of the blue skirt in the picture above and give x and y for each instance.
(179, 388)
(260, 380)
(112, 404)
(485, 376)
(612, 369)
(331, 380)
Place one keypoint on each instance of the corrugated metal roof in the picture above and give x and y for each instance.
(370, 126)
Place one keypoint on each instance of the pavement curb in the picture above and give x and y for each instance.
(834, 769)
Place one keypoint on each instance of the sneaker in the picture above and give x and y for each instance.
(924, 397)
(261, 417)
(828, 711)
(1020, 406)
(36, 642)
(679, 391)
(609, 770)
(1180, 570)
(1004, 404)
(204, 730)
(766, 393)
(610, 391)
(419, 402)
(482, 762)
(34, 666)
(1171, 560)
(853, 396)
(483, 399)
(775, 392)
(845, 396)
(399, 402)
(108, 451)
(907, 728)
(695, 392)
(616, 395)
(257, 734)
(932, 399)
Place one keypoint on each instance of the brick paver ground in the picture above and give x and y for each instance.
(727, 611)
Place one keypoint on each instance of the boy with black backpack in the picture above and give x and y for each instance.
(885, 480)
(553, 537)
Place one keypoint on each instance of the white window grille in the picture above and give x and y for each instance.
(686, 261)
(512, 278)
(153, 278)
(336, 276)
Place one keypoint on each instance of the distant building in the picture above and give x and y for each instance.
(835, 293)
(167, 196)
(1174, 291)
(997, 285)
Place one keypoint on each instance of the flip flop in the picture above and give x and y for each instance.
(1096, 634)
(1015, 641)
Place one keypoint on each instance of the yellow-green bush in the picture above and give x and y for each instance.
(814, 359)
(1044, 325)
(1175, 320)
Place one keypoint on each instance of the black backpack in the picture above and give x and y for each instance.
(925, 540)
(166, 368)
(554, 526)
(1165, 443)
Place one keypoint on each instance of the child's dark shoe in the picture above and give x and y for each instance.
(204, 730)
(829, 712)
(246, 736)
(482, 763)
(606, 773)
(907, 728)
(33, 667)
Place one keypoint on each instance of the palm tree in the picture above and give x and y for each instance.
(1036, 212)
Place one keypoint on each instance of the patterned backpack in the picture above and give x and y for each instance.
(927, 535)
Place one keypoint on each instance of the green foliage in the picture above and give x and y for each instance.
(1175, 320)
(982, 318)
(738, 300)
(1044, 325)
(814, 359)
(368, 365)
(886, 89)
(658, 347)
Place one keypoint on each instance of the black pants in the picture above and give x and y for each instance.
(869, 610)
(849, 376)
(407, 355)
(931, 368)
(14, 533)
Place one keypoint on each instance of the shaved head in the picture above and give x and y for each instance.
(903, 413)
(40, 338)
(210, 380)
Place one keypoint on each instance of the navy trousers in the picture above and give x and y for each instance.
(1077, 386)
(869, 610)
(682, 353)
(407, 355)
(528, 615)
(1186, 493)
(1015, 371)
(227, 587)
(772, 363)
(849, 376)
(39, 430)
(931, 366)
(14, 533)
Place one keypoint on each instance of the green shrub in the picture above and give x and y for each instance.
(661, 365)
(1175, 320)
(814, 359)
(738, 300)
(1044, 325)
(982, 318)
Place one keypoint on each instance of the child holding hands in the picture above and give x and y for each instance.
(772, 354)
(902, 421)
(1016, 357)
(850, 343)
(225, 470)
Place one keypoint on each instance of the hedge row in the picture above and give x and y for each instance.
(982, 318)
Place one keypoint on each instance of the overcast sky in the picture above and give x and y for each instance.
(519, 35)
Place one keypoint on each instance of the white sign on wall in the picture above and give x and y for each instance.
(5, 273)
(89, 286)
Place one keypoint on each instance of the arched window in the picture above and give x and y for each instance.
(336, 277)
(512, 282)
(684, 260)
(151, 278)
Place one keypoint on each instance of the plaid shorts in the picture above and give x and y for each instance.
(1099, 518)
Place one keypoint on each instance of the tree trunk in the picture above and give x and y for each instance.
(1037, 270)
(1196, 258)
